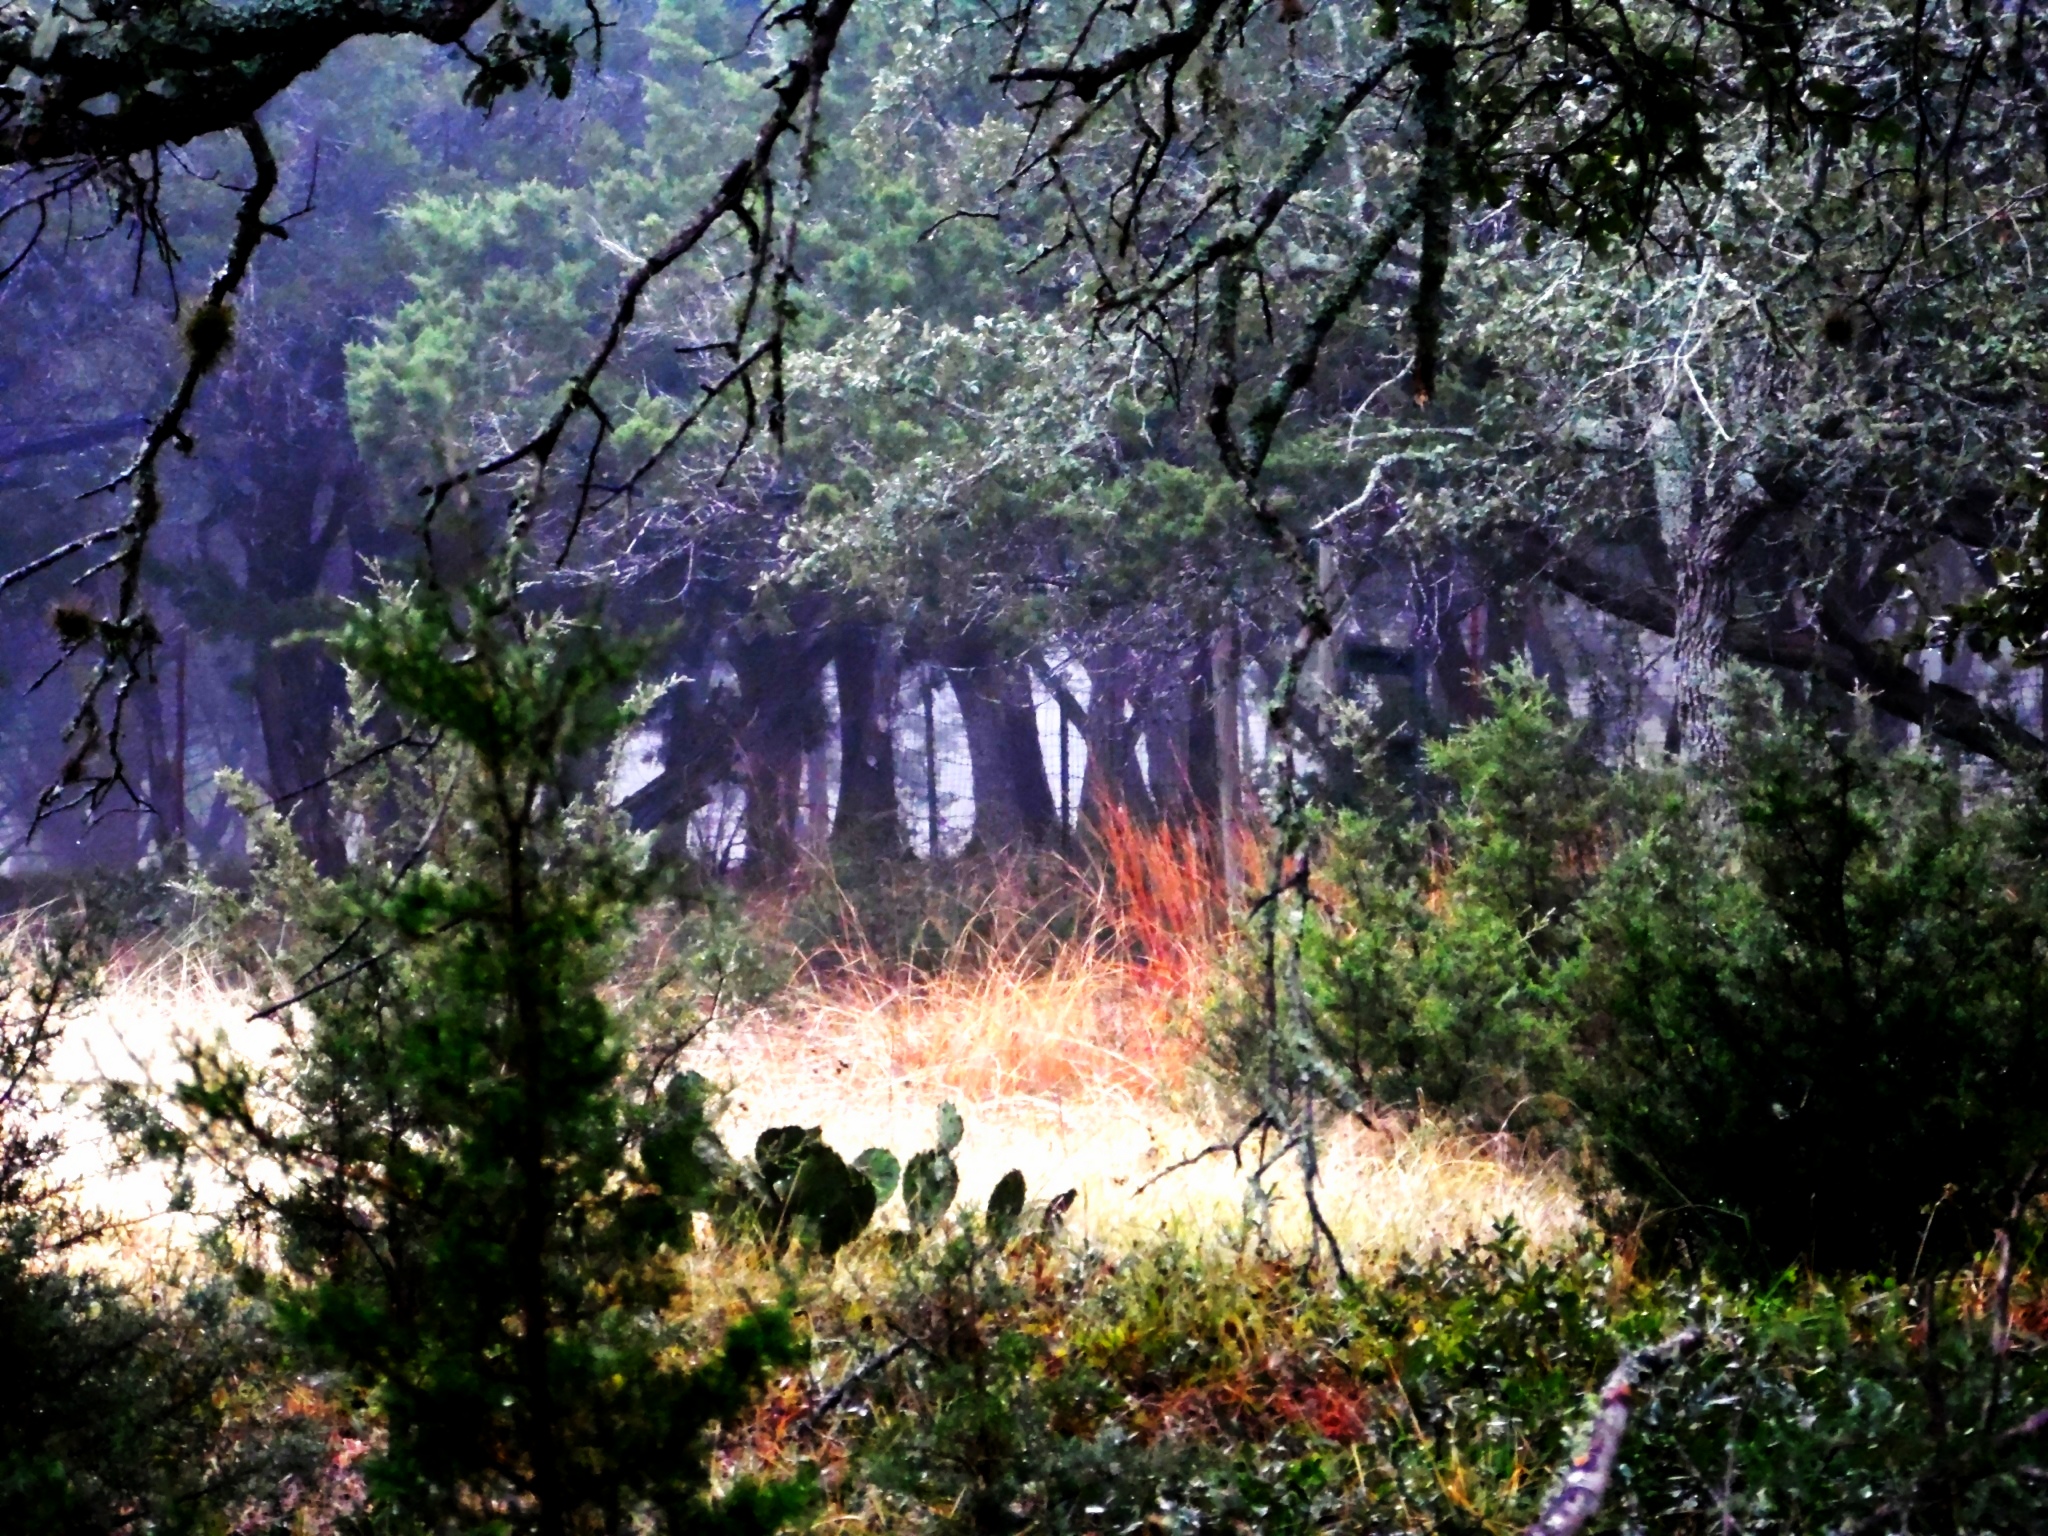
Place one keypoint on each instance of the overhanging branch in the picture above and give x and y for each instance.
(1837, 652)
(177, 73)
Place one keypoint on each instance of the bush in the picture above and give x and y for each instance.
(1432, 966)
(116, 1411)
(1815, 1006)
(1799, 1001)
(1182, 1391)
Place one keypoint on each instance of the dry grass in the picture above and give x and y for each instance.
(1080, 1079)
(155, 1000)
(1080, 1066)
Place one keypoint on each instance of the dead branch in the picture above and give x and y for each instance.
(1583, 1488)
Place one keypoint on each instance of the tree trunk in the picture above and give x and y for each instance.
(1703, 533)
(1115, 779)
(1323, 679)
(931, 766)
(868, 824)
(298, 688)
(299, 695)
(1166, 715)
(1703, 567)
(1200, 687)
(1460, 654)
(1527, 635)
(818, 798)
(1013, 800)
(780, 719)
(696, 752)
(164, 744)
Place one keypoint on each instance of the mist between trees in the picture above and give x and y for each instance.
(1434, 583)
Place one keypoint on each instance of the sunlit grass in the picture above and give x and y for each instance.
(156, 999)
(1081, 1064)
(1085, 1081)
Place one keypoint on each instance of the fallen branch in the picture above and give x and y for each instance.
(1581, 1491)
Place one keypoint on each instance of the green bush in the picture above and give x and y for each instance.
(1434, 976)
(117, 1409)
(1815, 1006)
(1798, 1001)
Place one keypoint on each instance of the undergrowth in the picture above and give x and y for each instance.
(979, 1385)
(473, 1083)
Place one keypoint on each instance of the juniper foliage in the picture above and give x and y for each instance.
(485, 1186)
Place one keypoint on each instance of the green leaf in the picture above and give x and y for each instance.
(951, 1129)
(929, 1185)
(1006, 1203)
(780, 1151)
(829, 1203)
(882, 1170)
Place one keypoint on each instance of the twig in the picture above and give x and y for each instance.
(343, 770)
(829, 1403)
(1258, 1122)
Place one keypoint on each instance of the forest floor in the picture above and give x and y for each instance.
(1078, 1073)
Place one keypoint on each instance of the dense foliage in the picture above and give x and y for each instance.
(1188, 1391)
(1797, 1001)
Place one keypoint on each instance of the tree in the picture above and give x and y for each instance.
(1820, 1013)
(1593, 123)
(1770, 431)
(485, 1183)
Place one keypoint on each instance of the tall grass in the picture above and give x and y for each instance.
(1068, 1026)
(1073, 1037)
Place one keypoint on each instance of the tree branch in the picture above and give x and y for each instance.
(179, 72)
(1837, 653)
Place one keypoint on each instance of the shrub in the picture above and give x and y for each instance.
(1798, 999)
(115, 1408)
(1184, 1391)
(1431, 966)
(483, 1182)
(1816, 1006)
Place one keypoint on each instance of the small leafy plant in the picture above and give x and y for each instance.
(931, 1179)
(797, 1187)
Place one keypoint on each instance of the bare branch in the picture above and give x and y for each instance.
(125, 639)
(1582, 1490)
(796, 92)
